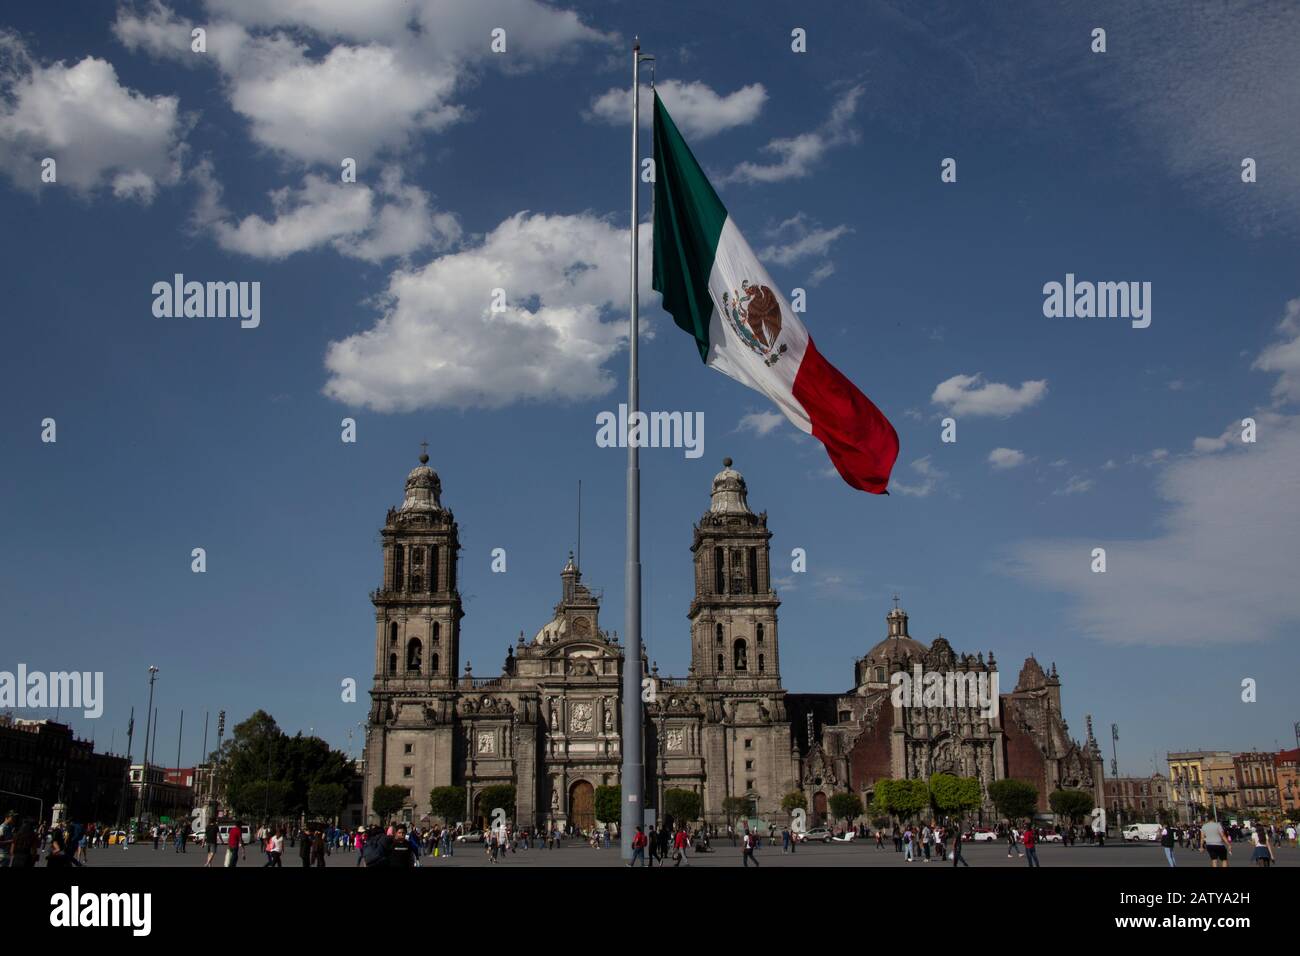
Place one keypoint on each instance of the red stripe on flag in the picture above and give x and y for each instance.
(859, 438)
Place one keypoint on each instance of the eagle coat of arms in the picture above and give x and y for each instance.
(755, 313)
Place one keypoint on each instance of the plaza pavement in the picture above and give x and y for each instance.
(578, 854)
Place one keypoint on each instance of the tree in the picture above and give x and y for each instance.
(609, 804)
(794, 800)
(500, 795)
(1072, 805)
(846, 806)
(901, 799)
(260, 799)
(735, 807)
(683, 805)
(448, 803)
(387, 800)
(1014, 799)
(954, 796)
(325, 801)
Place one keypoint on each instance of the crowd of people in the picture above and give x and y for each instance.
(26, 843)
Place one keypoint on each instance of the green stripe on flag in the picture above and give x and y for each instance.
(687, 223)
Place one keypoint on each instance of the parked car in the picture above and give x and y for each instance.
(1051, 837)
(847, 836)
(980, 835)
(815, 835)
(470, 836)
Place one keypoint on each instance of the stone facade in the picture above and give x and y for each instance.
(550, 723)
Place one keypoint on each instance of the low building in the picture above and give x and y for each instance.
(43, 763)
(158, 796)
(1256, 779)
(1138, 799)
(1286, 776)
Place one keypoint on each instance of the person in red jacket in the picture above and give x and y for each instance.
(638, 846)
(234, 843)
(1030, 843)
(680, 844)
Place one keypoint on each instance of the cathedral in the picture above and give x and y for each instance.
(550, 723)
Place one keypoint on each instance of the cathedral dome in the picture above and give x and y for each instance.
(729, 495)
(896, 648)
(899, 643)
(423, 488)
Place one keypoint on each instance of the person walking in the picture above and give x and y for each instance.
(234, 843)
(956, 848)
(1215, 843)
(304, 849)
(274, 849)
(1167, 841)
(1012, 847)
(907, 845)
(747, 853)
(680, 843)
(880, 839)
(925, 842)
(1030, 842)
(638, 847)
(1263, 853)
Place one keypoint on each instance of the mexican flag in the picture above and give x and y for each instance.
(717, 290)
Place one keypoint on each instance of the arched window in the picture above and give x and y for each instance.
(414, 654)
(433, 568)
(399, 554)
(718, 632)
(722, 663)
(392, 663)
(719, 573)
(437, 632)
(433, 663)
(880, 675)
(760, 633)
(739, 656)
(392, 633)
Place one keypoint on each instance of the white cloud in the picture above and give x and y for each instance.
(971, 395)
(697, 109)
(930, 478)
(1220, 570)
(99, 132)
(1284, 357)
(795, 156)
(320, 80)
(797, 238)
(1004, 458)
(1077, 485)
(1221, 567)
(390, 220)
(761, 424)
(438, 344)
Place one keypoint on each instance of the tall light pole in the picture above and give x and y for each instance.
(1114, 773)
(144, 774)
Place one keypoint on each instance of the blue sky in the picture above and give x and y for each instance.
(478, 170)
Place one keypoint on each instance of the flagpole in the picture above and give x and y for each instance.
(633, 776)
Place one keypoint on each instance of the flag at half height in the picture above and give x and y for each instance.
(717, 290)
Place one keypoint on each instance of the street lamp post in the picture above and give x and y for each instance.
(144, 774)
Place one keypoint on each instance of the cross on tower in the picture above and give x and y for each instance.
(895, 601)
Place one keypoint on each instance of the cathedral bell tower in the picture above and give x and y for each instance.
(417, 607)
(733, 614)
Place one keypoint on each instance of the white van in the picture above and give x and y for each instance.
(1142, 831)
(223, 834)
